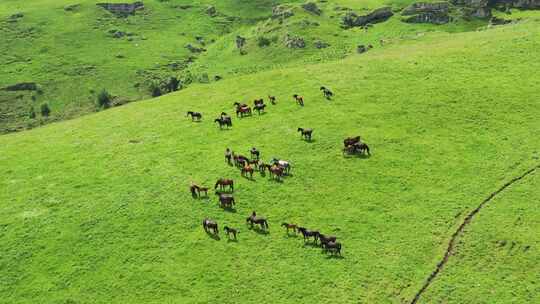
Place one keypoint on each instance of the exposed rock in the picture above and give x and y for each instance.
(294, 42)
(474, 8)
(22, 86)
(379, 15)
(321, 44)
(281, 11)
(211, 11)
(425, 12)
(72, 7)
(194, 49)
(312, 8)
(521, 4)
(306, 23)
(122, 9)
(499, 21)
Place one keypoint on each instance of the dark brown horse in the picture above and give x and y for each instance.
(243, 111)
(333, 247)
(258, 102)
(306, 133)
(299, 99)
(229, 231)
(325, 239)
(351, 141)
(194, 115)
(210, 224)
(239, 105)
(327, 93)
(255, 220)
(276, 172)
(226, 200)
(224, 183)
(228, 156)
(224, 122)
(196, 190)
(289, 226)
(247, 169)
(309, 233)
(272, 99)
(358, 148)
(240, 160)
(259, 108)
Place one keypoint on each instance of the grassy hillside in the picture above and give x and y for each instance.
(97, 209)
(72, 54)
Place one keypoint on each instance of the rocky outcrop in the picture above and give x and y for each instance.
(312, 8)
(122, 9)
(319, 44)
(474, 8)
(499, 21)
(22, 86)
(194, 49)
(294, 42)
(425, 12)
(281, 12)
(379, 15)
(521, 4)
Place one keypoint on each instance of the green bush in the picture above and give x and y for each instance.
(45, 110)
(155, 90)
(104, 99)
(263, 42)
(32, 113)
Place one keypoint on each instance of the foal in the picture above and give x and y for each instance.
(327, 93)
(272, 99)
(299, 99)
(194, 115)
(289, 227)
(229, 231)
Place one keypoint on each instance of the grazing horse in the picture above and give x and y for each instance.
(254, 153)
(247, 169)
(210, 224)
(327, 93)
(272, 99)
(325, 239)
(306, 133)
(351, 141)
(299, 99)
(224, 182)
(289, 227)
(240, 160)
(194, 115)
(229, 231)
(253, 219)
(333, 247)
(276, 172)
(228, 156)
(254, 163)
(258, 102)
(259, 108)
(309, 233)
(196, 190)
(224, 121)
(243, 111)
(283, 164)
(240, 105)
(226, 200)
(360, 148)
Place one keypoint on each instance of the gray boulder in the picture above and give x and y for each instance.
(281, 12)
(425, 12)
(321, 44)
(122, 9)
(312, 8)
(379, 15)
(474, 8)
(294, 42)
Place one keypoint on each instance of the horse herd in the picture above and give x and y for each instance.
(277, 169)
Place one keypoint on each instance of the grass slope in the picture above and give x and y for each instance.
(96, 210)
(72, 55)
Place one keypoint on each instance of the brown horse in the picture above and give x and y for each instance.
(309, 233)
(229, 231)
(240, 105)
(226, 200)
(333, 247)
(196, 190)
(292, 227)
(243, 111)
(325, 239)
(358, 148)
(299, 99)
(276, 172)
(247, 169)
(194, 115)
(351, 141)
(254, 220)
(240, 160)
(306, 133)
(210, 224)
(272, 99)
(224, 182)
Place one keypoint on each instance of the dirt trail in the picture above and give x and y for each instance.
(460, 230)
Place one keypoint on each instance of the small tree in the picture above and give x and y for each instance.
(32, 113)
(173, 84)
(104, 99)
(45, 110)
(155, 90)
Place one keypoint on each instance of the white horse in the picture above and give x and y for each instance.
(282, 163)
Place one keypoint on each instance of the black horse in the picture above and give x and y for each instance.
(226, 200)
(357, 148)
(228, 156)
(229, 231)
(309, 233)
(327, 93)
(224, 122)
(306, 133)
(253, 219)
(325, 239)
(333, 247)
(210, 224)
(272, 99)
(194, 115)
(255, 153)
(259, 108)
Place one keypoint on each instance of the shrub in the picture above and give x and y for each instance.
(32, 113)
(173, 85)
(45, 110)
(263, 42)
(104, 99)
(155, 90)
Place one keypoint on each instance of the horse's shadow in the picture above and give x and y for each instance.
(229, 209)
(229, 240)
(213, 236)
(310, 141)
(259, 230)
(291, 235)
(334, 256)
(311, 244)
(358, 156)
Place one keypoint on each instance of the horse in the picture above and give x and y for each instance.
(229, 231)
(254, 153)
(361, 148)
(325, 239)
(239, 105)
(299, 99)
(224, 121)
(242, 111)
(276, 172)
(196, 190)
(351, 141)
(210, 224)
(334, 247)
(224, 182)
(309, 233)
(253, 219)
(228, 156)
(272, 99)
(194, 115)
(226, 200)
(258, 102)
(240, 160)
(327, 93)
(259, 108)
(306, 133)
(282, 163)
(290, 226)
(247, 169)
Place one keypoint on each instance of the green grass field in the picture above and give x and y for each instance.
(97, 209)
